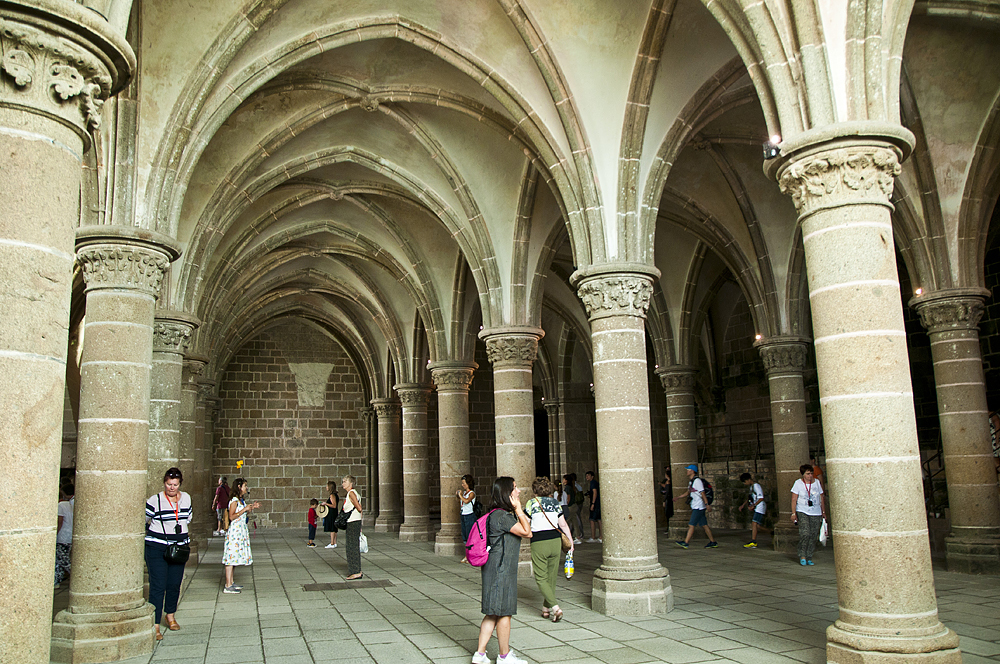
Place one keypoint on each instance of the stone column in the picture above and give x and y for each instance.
(785, 360)
(512, 351)
(211, 417)
(192, 369)
(630, 580)
(204, 483)
(556, 452)
(453, 380)
(841, 188)
(371, 469)
(171, 336)
(390, 466)
(108, 618)
(416, 526)
(45, 118)
(678, 383)
(951, 318)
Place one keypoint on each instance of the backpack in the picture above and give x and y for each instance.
(577, 496)
(709, 490)
(477, 507)
(477, 548)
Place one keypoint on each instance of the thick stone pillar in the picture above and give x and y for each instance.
(841, 188)
(212, 404)
(951, 318)
(416, 526)
(630, 580)
(108, 618)
(371, 466)
(785, 361)
(556, 451)
(171, 336)
(453, 380)
(193, 367)
(204, 485)
(390, 466)
(512, 351)
(678, 383)
(45, 119)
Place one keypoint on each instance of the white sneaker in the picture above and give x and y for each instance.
(334, 546)
(592, 540)
(330, 546)
(511, 658)
(231, 590)
(480, 658)
(215, 533)
(577, 540)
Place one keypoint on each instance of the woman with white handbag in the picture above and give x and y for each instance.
(352, 507)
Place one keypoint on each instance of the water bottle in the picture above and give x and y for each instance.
(568, 568)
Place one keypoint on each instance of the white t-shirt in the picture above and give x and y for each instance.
(697, 486)
(467, 507)
(806, 493)
(65, 534)
(756, 493)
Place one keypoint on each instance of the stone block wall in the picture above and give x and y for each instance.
(290, 450)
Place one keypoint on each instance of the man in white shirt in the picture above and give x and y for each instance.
(699, 508)
(757, 506)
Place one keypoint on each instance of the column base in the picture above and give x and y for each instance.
(679, 532)
(448, 544)
(368, 521)
(414, 532)
(632, 593)
(90, 638)
(388, 524)
(939, 646)
(785, 538)
(970, 556)
(524, 567)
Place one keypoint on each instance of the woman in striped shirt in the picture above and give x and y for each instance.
(168, 517)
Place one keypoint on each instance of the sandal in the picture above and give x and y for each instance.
(545, 613)
(557, 614)
(158, 636)
(172, 625)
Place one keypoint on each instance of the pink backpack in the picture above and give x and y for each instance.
(477, 549)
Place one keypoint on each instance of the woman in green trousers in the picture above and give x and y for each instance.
(547, 522)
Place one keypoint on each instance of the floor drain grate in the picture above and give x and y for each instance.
(347, 585)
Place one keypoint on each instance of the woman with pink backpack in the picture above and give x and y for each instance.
(506, 524)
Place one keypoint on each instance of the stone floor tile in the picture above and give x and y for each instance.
(714, 643)
(757, 656)
(285, 646)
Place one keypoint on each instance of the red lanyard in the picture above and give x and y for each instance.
(808, 491)
(177, 507)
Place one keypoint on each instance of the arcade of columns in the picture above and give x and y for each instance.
(144, 405)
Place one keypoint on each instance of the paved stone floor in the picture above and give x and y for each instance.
(730, 605)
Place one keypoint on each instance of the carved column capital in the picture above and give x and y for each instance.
(453, 377)
(386, 408)
(552, 408)
(511, 349)
(367, 414)
(206, 391)
(413, 395)
(194, 366)
(61, 61)
(123, 258)
(952, 309)
(616, 294)
(677, 379)
(783, 355)
(172, 332)
(836, 176)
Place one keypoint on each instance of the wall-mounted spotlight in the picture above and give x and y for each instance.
(919, 291)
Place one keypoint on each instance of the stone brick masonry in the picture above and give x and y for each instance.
(290, 450)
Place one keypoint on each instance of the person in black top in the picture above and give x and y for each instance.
(594, 491)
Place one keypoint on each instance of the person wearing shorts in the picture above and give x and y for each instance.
(755, 503)
(699, 509)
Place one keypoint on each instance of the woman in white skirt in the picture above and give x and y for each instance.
(237, 548)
